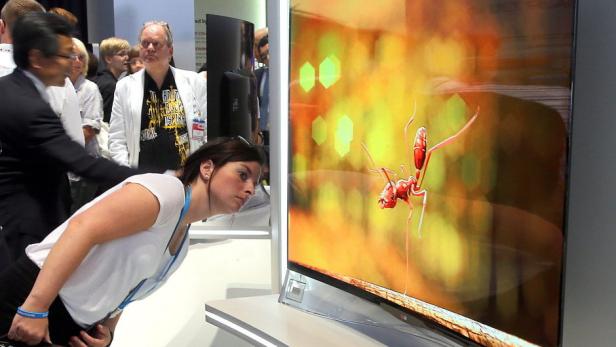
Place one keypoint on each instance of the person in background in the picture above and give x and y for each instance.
(36, 151)
(63, 99)
(262, 75)
(92, 67)
(114, 53)
(73, 286)
(66, 14)
(69, 17)
(158, 116)
(91, 108)
(135, 63)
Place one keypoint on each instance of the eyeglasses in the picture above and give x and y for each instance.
(72, 56)
(155, 44)
(241, 139)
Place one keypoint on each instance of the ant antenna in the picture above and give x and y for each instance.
(380, 170)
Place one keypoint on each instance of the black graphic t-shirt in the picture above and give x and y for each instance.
(163, 140)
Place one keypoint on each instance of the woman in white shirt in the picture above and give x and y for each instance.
(90, 99)
(91, 110)
(121, 247)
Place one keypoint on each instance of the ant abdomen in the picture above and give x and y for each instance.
(419, 148)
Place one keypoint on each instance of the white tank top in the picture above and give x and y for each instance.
(111, 270)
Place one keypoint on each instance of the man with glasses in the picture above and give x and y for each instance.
(35, 151)
(158, 117)
(63, 99)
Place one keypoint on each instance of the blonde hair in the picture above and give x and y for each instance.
(82, 51)
(14, 9)
(112, 45)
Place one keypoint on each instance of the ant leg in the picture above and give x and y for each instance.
(406, 129)
(445, 142)
(406, 245)
(423, 210)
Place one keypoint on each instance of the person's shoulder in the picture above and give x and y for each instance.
(104, 78)
(185, 73)
(168, 189)
(21, 92)
(156, 179)
(131, 79)
(89, 86)
(62, 92)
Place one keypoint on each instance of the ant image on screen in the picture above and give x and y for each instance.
(404, 189)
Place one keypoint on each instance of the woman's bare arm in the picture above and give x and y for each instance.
(127, 211)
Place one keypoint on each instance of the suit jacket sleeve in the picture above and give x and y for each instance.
(47, 138)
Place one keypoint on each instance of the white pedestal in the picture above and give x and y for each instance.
(262, 321)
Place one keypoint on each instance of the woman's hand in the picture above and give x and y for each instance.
(100, 337)
(31, 331)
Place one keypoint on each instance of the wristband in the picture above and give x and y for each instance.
(29, 314)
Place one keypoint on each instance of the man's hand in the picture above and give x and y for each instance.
(100, 337)
(31, 331)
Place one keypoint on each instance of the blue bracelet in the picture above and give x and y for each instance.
(29, 314)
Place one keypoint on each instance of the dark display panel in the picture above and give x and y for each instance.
(429, 153)
(232, 99)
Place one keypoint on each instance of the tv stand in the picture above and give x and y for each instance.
(263, 321)
(311, 313)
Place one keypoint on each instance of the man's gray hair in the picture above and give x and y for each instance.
(163, 25)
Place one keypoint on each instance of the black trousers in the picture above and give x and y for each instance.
(26, 218)
(16, 282)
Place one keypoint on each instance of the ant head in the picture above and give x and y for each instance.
(388, 197)
(419, 148)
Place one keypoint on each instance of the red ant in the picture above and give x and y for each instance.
(403, 189)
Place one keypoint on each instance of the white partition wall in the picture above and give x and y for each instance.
(590, 279)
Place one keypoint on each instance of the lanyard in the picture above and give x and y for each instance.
(131, 294)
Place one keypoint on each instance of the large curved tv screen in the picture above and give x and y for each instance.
(429, 157)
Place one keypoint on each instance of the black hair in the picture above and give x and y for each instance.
(37, 30)
(220, 151)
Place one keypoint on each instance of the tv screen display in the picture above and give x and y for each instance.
(429, 156)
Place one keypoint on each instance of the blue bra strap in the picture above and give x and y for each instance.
(131, 294)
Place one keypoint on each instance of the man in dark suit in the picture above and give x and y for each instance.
(35, 151)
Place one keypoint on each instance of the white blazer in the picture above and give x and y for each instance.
(125, 121)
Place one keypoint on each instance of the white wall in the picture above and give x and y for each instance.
(174, 315)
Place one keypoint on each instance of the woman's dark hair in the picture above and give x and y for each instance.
(220, 151)
(37, 30)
